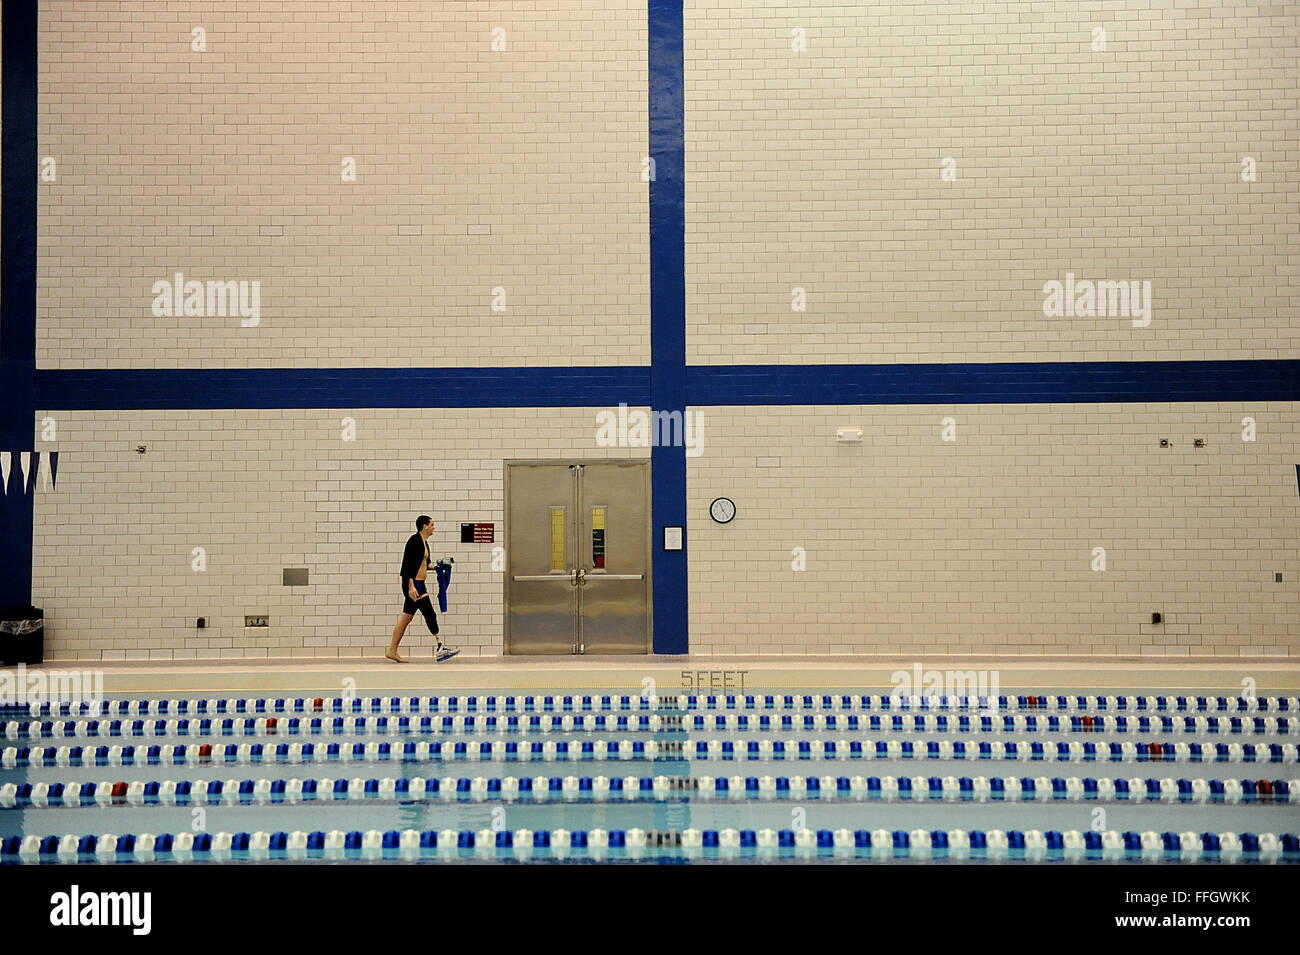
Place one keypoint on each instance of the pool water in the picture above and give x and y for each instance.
(766, 776)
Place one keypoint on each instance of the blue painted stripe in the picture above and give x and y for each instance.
(994, 383)
(1266, 380)
(668, 313)
(18, 170)
(343, 388)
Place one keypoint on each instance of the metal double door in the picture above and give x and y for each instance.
(578, 557)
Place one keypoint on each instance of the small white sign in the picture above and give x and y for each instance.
(672, 538)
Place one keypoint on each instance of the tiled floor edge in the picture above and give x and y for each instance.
(672, 675)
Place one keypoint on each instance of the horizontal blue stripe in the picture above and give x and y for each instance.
(993, 383)
(106, 389)
(1275, 380)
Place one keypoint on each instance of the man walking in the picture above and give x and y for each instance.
(415, 570)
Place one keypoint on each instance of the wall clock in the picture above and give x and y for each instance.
(722, 510)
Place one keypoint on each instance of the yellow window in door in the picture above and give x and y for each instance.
(557, 538)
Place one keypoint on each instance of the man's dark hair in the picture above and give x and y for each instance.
(421, 521)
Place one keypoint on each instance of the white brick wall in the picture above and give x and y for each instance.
(913, 544)
(818, 169)
(821, 170)
(475, 170)
(984, 544)
(265, 490)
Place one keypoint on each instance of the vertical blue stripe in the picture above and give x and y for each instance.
(18, 170)
(668, 314)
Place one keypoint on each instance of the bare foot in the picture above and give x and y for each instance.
(393, 656)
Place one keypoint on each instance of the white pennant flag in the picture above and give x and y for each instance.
(49, 467)
(26, 466)
(4, 465)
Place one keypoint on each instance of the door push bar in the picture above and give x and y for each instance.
(579, 576)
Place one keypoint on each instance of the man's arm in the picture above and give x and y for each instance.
(412, 556)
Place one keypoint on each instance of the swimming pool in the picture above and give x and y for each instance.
(590, 776)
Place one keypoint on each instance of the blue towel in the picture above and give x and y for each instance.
(443, 572)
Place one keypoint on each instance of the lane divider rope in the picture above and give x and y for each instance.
(465, 725)
(1126, 705)
(691, 750)
(640, 845)
(540, 789)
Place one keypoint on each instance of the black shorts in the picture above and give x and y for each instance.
(408, 605)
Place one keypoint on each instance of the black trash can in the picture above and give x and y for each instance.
(22, 636)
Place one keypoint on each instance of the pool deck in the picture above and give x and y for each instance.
(690, 673)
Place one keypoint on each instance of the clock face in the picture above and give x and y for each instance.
(722, 510)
